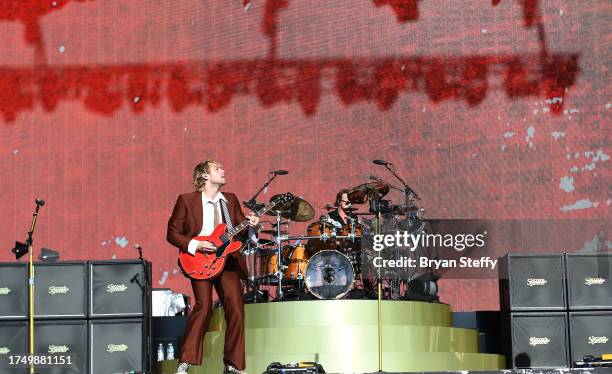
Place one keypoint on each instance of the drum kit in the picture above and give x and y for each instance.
(326, 262)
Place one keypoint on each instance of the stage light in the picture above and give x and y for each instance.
(20, 250)
(48, 255)
(424, 288)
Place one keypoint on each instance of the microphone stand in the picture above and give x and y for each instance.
(251, 202)
(146, 293)
(408, 192)
(31, 281)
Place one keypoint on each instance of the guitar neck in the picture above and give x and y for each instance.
(245, 223)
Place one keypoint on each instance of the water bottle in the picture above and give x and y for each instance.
(160, 352)
(170, 352)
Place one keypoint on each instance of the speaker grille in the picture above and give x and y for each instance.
(13, 291)
(532, 282)
(62, 338)
(116, 288)
(588, 281)
(591, 334)
(539, 340)
(13, 337)
(116, 345)
(60, 290)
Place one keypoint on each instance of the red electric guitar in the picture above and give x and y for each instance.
(209, 265)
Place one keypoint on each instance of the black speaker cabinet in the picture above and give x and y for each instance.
(118, 345)
(590, 334)
(588, 281)
(60, 290)
(13, 338)
(119, 289)
(537, 340)
(532, 282)
(13, 291)
(67, 338)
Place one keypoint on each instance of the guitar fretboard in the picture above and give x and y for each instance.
(245, 223)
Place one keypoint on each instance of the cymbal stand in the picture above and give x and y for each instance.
(279, 257)
(408, 192)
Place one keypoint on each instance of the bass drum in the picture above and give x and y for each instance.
(329, 275)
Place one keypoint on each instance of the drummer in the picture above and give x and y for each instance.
(342, 215)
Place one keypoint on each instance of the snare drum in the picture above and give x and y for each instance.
(329, 275)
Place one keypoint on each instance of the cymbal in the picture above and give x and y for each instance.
(298, 210)
(366, 191)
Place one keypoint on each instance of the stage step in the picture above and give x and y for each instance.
(342, 336)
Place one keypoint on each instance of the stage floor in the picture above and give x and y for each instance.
(342, 336)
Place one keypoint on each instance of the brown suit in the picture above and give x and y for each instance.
(184, 224)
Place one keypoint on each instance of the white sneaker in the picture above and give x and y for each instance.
(182, 368)
(229, 369)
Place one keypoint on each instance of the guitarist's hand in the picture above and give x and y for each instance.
(253, 219)
(206, 247)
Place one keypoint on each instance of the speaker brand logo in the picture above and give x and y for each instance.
(598, 340)
(112, 288)
(538, 341)
(116, 348)
(591, 281)
(536, 282)
(58, 289)
(5, 290)
(58, 349)
(4, 350)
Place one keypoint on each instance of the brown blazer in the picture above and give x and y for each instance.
(186, 223)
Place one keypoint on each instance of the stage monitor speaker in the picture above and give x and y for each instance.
(538, 340)
(13, 290)
(532, 282)
(590, 334)
(588, 281)
(13, 339)
(117, 346)
(67, 338)
(60, 290)
(119, 289)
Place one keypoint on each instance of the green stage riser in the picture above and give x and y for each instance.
(342, 336)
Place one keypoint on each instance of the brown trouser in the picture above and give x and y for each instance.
(229, 289)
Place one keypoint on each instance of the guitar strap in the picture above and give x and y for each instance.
(226, 216)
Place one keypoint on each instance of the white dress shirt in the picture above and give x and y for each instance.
(208, 218)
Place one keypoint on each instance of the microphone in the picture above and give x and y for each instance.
(381, 162)
(137, 246)
(40, 202)
(279, 172)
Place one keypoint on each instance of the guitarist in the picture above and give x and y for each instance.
(197, 214)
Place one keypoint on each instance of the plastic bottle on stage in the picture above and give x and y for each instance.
(170, 352)
(160, 352)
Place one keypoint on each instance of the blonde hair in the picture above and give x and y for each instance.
(199, 171)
